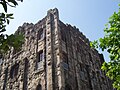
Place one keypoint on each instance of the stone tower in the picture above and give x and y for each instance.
(54, 56)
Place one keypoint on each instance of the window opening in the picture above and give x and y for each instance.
(5, 80)
(1, 59)
(68, 87)
(39, 87)
(65, 61)
(63, 36)
(40, 56)
(14, 71)
(65, 58)
(40, 34)
(25, 77)
(90, 57)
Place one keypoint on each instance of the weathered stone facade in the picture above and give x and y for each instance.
(54, 56)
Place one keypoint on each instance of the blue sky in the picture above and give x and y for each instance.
(90, 16)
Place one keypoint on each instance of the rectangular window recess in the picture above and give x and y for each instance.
(65, 65)
(40, 34)
(40, 56)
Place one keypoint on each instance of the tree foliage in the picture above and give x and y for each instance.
(8, 41)
(111, 42)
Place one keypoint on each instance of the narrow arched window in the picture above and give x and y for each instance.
(25, 75)
(40, 34)
(40, 58)
(5, 79)
(39, 87)
(14, 71)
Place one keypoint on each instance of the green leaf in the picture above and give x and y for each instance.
(2, 15)
(4, 4)
(13, 2)
(8, 21)
(118, 77)
(9, 15)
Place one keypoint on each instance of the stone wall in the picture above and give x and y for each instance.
(54, 56)
(83, 63)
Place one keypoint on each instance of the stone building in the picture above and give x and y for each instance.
(54, 56)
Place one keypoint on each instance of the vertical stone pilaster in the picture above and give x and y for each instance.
(49, 53)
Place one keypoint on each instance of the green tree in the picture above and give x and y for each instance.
(8, 41)
(111, 42)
